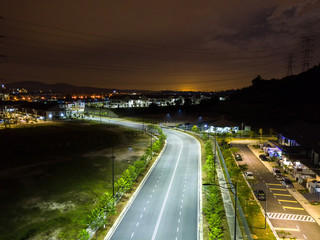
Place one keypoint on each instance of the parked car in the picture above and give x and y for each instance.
(277, 173)
(238, 157)
(260, 195)
(249, 175)
(285, 181)
(263, 157)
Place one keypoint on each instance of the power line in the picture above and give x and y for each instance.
(307, 49)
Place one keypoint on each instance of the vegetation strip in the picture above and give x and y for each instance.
(213, 208)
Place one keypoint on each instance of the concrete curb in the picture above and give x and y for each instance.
(134, 195)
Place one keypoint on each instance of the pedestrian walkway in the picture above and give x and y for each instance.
(313, 210)
(228, 205)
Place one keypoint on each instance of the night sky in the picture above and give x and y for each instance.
(200, 45)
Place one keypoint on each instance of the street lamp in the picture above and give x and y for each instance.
(235, 193)
(215, 156)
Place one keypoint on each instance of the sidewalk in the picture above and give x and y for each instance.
(313, 210)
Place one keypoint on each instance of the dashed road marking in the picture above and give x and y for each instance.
(132, 234)
(290, 217)
(283, 200)
(278, 189)
(295, 208)
(280, 194)
(287, 229)
(274, 184)
(137, 224)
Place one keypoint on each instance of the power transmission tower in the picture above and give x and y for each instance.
(307, 45)
(290, 62)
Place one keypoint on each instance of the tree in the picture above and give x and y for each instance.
(195, 129)
(121, 185)
(96, 219)
(83, 235)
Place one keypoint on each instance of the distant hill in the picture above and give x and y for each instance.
(33, 86)
(296, 89)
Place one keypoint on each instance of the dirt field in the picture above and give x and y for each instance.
(49, 186)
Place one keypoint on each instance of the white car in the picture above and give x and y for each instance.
(249, 175)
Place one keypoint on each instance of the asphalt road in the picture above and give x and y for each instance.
(167, 206)
(282, 207)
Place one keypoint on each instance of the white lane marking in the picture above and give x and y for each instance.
(137, 224)
(304, 236)
(179, 220)
(150, 195)
(141, 216)
(148, 202)
(297, 227)
(177, 229)
(167, 194)
(132, 234)
(153, 190)
(144, 209)
(180, 213)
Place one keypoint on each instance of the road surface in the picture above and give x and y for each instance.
(167, 206)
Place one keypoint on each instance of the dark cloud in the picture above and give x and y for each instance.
(169, 44)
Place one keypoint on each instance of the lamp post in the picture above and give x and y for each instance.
(113, 157)
(215, 156)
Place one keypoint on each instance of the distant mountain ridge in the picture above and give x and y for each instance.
(33, 86)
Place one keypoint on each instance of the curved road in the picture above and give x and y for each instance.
(167, 206)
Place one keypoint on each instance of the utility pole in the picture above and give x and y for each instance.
(289, 68)
(113, 157)
(307, 49)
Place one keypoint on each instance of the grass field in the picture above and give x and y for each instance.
(52, 174)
